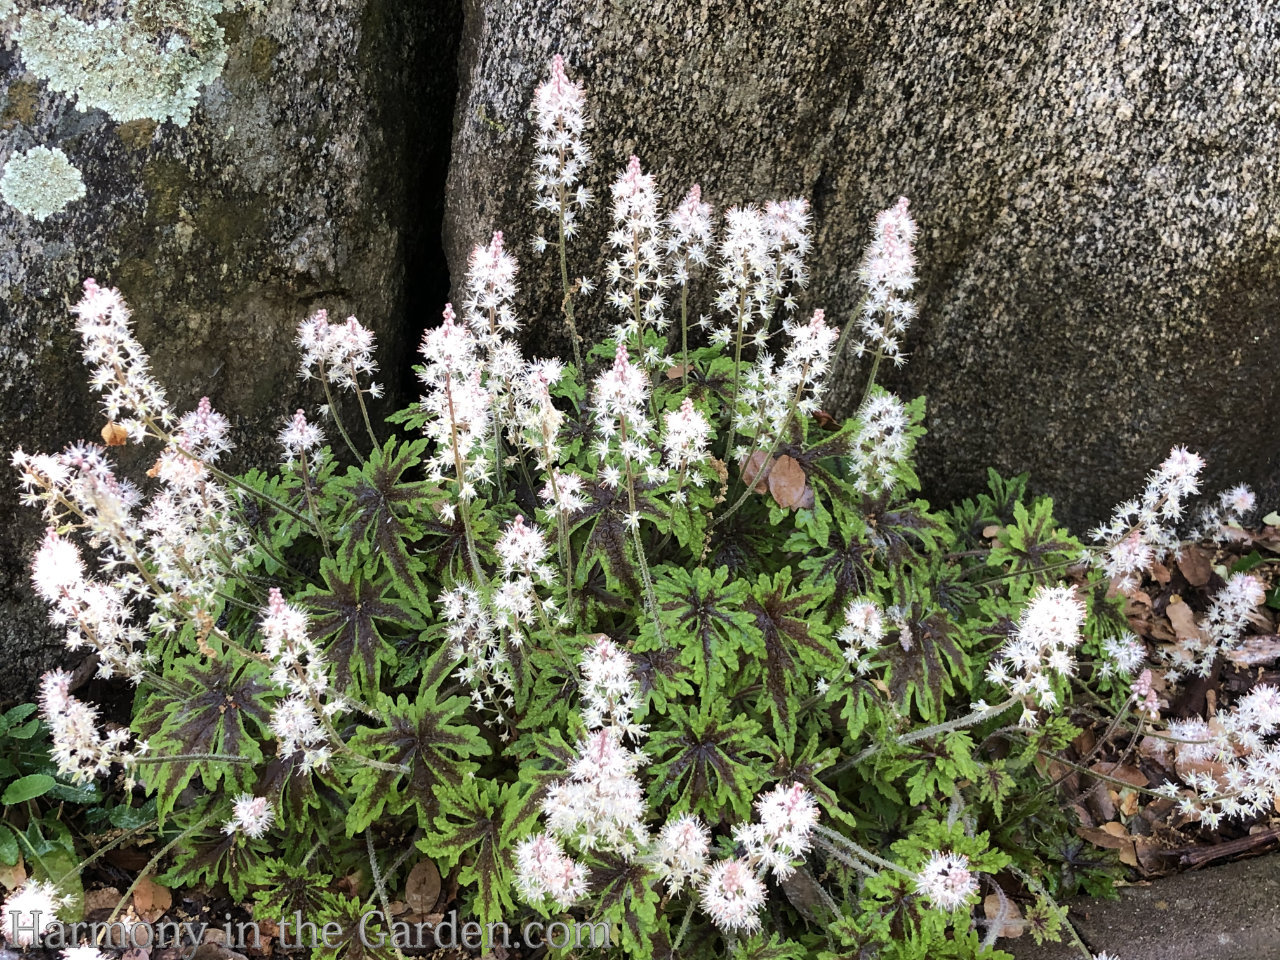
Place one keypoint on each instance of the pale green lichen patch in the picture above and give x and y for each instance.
(149, 65)
(40, 182)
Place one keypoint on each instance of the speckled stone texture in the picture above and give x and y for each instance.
(1228, 912)
(1095, 181)
(299, 183)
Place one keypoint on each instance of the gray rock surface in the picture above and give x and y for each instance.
(298, 183)
(1096, 185)
(1231, 912)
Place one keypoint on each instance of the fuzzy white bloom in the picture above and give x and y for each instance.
(563, 493)
(31, 906)
(200, 438)
(559, 110)
(251, 816)
(56, 568)
(681, 851)
(619, 398)
(297, 726)
(772, 394)
(610, 691)
(636, 280)
(523, 549)
(120, 368)
(1238, 501)
(1143, 531)
(80, 751)
(1125, 654)
(1232, 606)
(806, 360)
(1195, 740)
(95, 614)
(340, 353)
(787, 818)
(100, 503)
(786, 225)
(192, 537)
(601, 805)
(1048, 634)
(743, 268)
(83, 952)
(689, 235)
(491, 289)
(536, 420)
(203, 433)
(1232, 762)
(458, 404)
(946, 881)
(544, 871)
(299, 438)
(862, 633)
(302, 671)
(686, 438)
(1220, 521)
(888, 273)
(481, 647)
(732, 895)
(881, 443)
(761, 263)
(1220, 628)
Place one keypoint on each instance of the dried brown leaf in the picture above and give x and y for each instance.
(1196, 565)
(1183, 619)
(114, 435)
(755, 472)
(1124, 772)
(787, 482)
(1129, 803)
(1100, 837)
(150, 900)
(1007, 912)
(422, 889)
(11, 877)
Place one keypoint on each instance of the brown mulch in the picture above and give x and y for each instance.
(1150, 834)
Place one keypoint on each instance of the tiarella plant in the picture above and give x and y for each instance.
(645, 638)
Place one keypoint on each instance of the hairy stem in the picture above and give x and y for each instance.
(651, 599)
(311, 504)
(924, 733)
(337, 416)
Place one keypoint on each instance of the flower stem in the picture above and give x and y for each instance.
(924, 733)
(337, 416)
(564, 277)
(364, 412)
(311, 505)
(651, 598)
